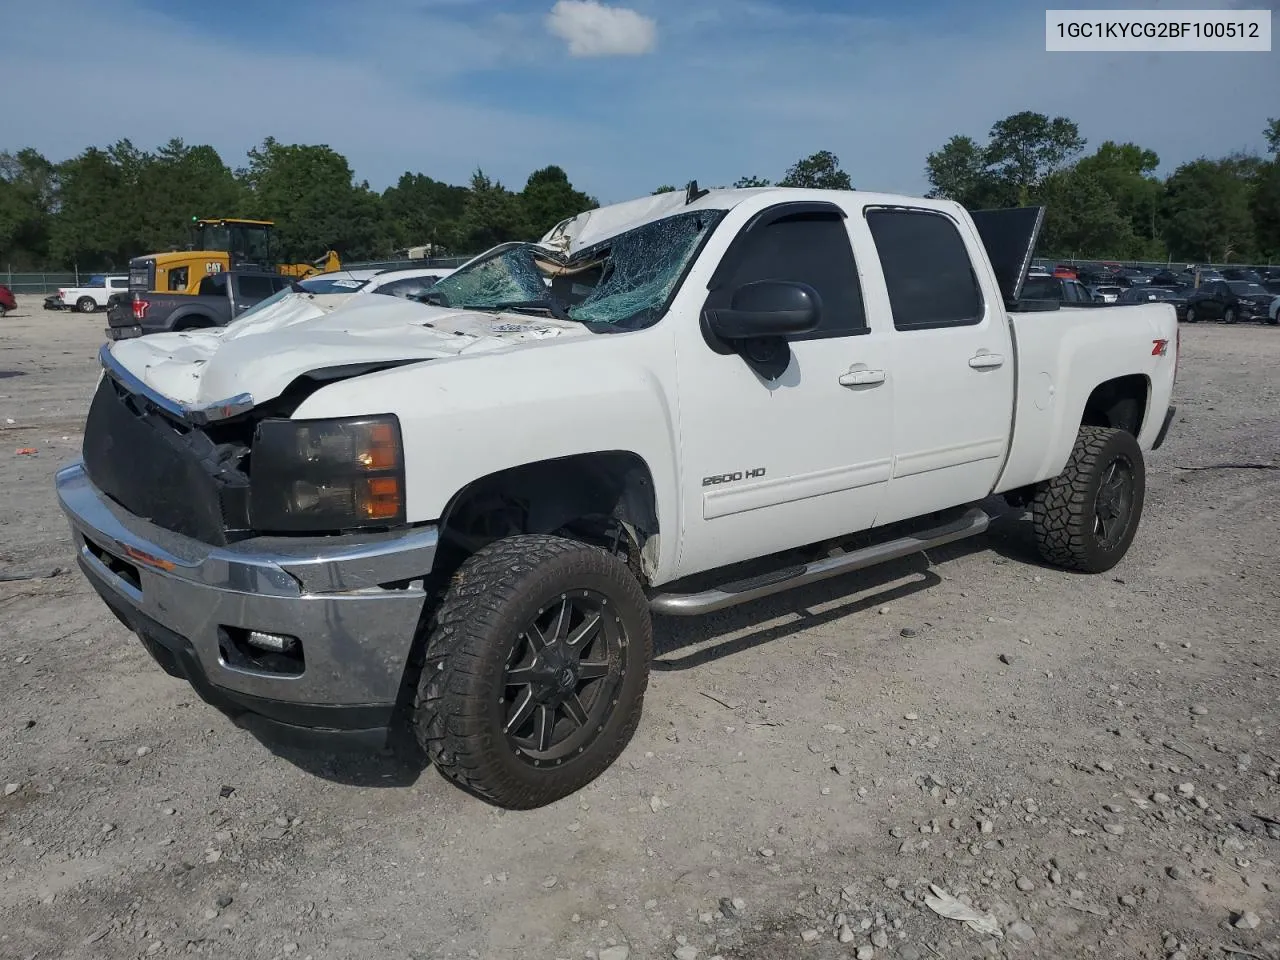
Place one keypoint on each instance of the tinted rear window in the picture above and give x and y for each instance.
(926, 269)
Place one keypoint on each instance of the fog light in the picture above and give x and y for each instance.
(275, 642)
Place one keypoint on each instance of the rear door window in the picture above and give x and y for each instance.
(926, 267)
(256, 287)
(214, 285)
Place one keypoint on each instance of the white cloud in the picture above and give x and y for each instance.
(593, 30)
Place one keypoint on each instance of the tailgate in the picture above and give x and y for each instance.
(121, 321)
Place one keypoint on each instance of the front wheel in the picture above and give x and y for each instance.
(535, 671)
(1086, 517)
(1229, 316)
(1191, 315)
(86, 305)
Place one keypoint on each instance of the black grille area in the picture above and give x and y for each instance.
(172, 474)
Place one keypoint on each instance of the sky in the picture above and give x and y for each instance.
(624, 96)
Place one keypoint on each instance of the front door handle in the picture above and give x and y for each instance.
(857, 378)
(986, 361)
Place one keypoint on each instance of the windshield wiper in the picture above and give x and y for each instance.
(554, 307)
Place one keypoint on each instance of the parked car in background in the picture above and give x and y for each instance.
(340, 281)
(1108, 293)
(94, 297)
(1071, 292)
(222, 298)
(1241, 273)
(1064, 272)
(1149, 294)
(1168, 278)
(1206, 276)
(408, 282)
(1229, 301)
(7, 300)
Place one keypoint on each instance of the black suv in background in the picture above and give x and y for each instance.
(1229, 301)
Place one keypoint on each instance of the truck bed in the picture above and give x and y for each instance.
(1058, 346)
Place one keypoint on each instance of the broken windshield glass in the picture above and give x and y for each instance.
(626, 281)
(508, 274)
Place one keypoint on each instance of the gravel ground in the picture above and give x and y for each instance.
(1092, 763)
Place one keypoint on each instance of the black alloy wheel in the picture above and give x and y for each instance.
(562, 678)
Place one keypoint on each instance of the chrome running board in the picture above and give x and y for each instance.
(972, 523)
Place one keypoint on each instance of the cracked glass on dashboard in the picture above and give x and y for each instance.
(624, 282)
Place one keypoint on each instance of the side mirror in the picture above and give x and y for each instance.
(766, 308)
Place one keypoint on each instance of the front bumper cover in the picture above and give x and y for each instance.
(353, 602)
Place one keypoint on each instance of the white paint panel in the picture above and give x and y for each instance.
(764, 493)
(911, 464)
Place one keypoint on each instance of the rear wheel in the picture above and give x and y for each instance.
(86, 305)
(1229, 315)
(1086, 517)
(1192, 316)
(535, 672)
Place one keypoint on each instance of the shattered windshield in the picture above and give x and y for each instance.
(624, 282)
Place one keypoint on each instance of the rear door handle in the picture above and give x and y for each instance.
(855, 378)
(986, 361)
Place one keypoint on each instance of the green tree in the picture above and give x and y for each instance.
(1081, 217)
(1207, 213)
(1026, 147)
(752, 181)
(1266, 211)
(548, 198)
(1266, 199)
(818, 171)
(1125, 172)
(665, 188)
(958, 171)
(309, 191)
(492, 215)
(180, 182)
(28, 194)
(1272, 135)
(97, 207)
(424, 211)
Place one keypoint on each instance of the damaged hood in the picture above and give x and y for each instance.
(255, 358)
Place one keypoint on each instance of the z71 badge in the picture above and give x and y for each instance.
(733, 477)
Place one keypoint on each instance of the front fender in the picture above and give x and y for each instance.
(466, 417)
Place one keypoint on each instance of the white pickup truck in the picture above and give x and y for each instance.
(457, 517)
(92, 298)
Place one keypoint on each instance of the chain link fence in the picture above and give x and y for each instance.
(42, 282)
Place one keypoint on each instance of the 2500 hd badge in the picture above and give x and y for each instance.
(752, 474)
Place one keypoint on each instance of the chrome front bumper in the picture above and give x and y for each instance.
(353, 602)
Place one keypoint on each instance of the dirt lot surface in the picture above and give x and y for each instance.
(1092, 760)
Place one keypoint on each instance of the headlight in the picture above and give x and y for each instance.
(326, 475)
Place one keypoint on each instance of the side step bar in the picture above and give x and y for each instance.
(972, 523)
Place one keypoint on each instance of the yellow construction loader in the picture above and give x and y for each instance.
(218, 245)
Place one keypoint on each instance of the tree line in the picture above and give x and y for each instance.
(105, 205)
(1109, 204)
